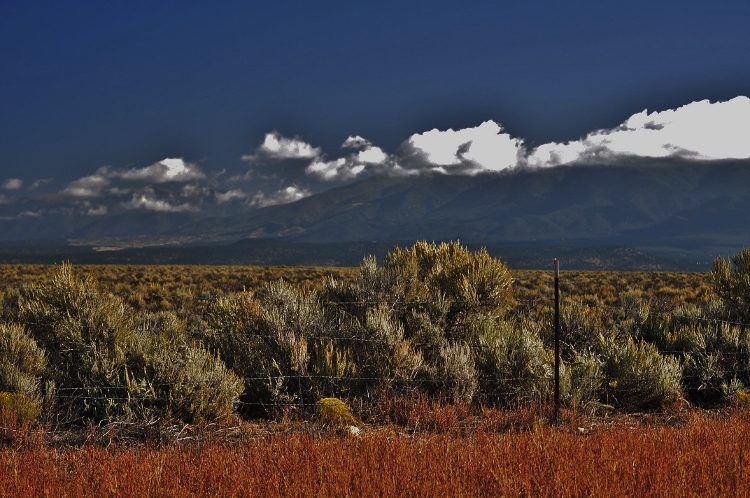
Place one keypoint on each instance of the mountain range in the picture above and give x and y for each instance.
(684, 210)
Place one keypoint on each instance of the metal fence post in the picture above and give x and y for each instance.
(557, 340)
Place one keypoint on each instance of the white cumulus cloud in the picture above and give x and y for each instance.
(94, 211)
(465, 151)
(698, 131)
(149, 201)
(368, 159)
(230, 195)
(283, 196)
(166, 170)
(276, 146)
(341, 169)
(89, 186)
(12, 184)
(356, 142)
(701, 130)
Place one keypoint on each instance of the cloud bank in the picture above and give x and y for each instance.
(699, 131)
(282, 170)
(134, 188)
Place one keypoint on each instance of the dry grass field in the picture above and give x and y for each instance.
(690, 454)
(160, 287)
(431, 442)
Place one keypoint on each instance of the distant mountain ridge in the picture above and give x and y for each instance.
(666, 207)
(693, 205)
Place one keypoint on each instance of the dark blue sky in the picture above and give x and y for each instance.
(87, 84)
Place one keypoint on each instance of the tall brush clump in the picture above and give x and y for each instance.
(108, 365)
(440, 292)
(172, 377)
(233, 327)
(636, 376)
(389, 356)
(22, 361)
(722, 360)
(304, 357)
(449, 285)
(363, 311)
(514, 365)
(731, 282)
(87, 335)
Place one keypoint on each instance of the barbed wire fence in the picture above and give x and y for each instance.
(418, 386)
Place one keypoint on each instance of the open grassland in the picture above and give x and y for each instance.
(169, 287)
(208, 381)
(695, 454)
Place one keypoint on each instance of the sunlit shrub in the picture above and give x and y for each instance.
(636, 376)
(22, 362)
(108, 364)
(387, 354)
(513, 363)
(581, 381)
(726, 358)
(18, 408)
(454, 374)
(454, 286)
(183, 383)
(731, 282)
(334, 412)
(87, 335)
(331, 367)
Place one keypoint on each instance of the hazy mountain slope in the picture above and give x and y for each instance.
(685, 206)
(632, 205)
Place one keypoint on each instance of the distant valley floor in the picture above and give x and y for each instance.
(272, 252)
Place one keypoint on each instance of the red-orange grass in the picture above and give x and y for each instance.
(704, 457)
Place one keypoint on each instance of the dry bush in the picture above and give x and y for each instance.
(513, 364)
(332, 412)
(22, 361)
(731, 282)
(637, 377)
(107, 364)
(452, 285)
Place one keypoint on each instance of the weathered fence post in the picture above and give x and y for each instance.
(557, 340)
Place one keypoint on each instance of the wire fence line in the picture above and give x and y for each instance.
(86, 393)
(598, 383)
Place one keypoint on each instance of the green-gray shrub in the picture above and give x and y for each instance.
(109, 364)
(388, 354)
(580, 326)
(512, 362)
(637, 376)
(230, 326)
(22, 362)
(457, 288)
(87, 335)
(182, 382)
(581, 381)
(455, 374)
(731, 282)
